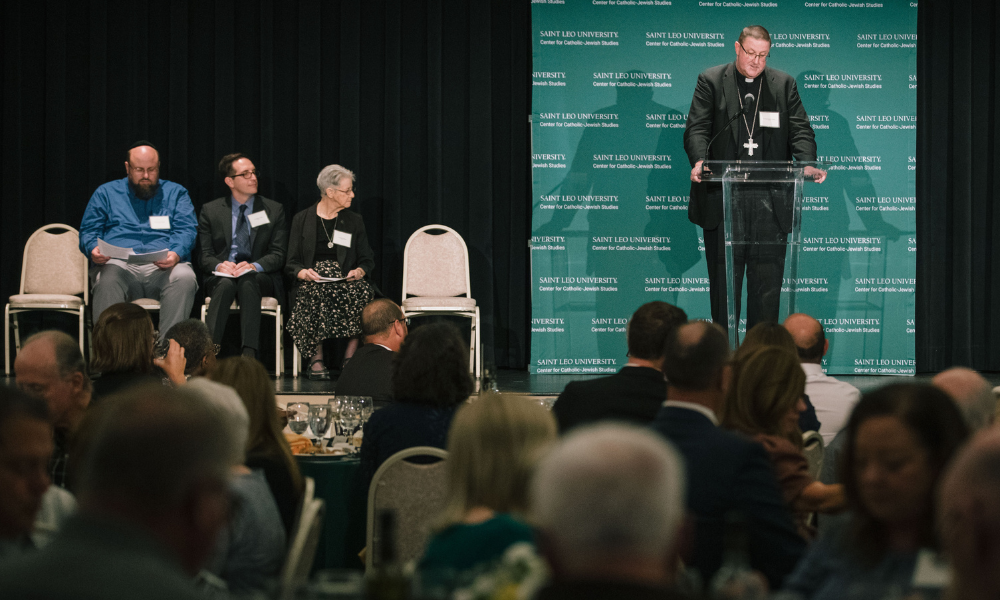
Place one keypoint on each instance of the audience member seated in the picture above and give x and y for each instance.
(898, 441)
(251, 548)
(969, 517)
(972, 393)
(153, 496)
(493, 446)
(431, 378)
(51, 367)
(764, 402)
(609, 505)
(638, 390)
(199, 349)
(832, 398)
(726, 471)
(267, 448)
(767, 333)
(122, 351)
(369, 372)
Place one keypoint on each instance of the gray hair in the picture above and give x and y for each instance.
(971, 392)
(610, 490)
(330, 177)
(148, 447)
(224, 401)
(69, 359)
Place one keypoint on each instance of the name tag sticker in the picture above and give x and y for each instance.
(159, 222)
(341, 239)
(258, 218)
(769, 119)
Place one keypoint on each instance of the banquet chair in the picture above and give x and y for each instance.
(53, 277)
(417, 493)
(302, 550)
(268, 306)
(436, 282)
(812, 448)
(308, 494)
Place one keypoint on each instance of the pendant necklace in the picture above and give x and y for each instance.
(329, 243)
(750, 145)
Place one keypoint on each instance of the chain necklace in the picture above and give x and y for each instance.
(329, 243)
(750, 145)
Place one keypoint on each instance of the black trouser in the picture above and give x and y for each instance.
(249, 289)
(764, 263)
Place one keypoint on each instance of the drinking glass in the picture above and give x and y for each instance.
(334, 404)
(298, 417)
(350, 415)
(319, 421)
(367, 408)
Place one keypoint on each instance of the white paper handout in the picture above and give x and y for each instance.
(129, 255)
(112, 251)
(330, 279)
(240, 274)
(148, 257)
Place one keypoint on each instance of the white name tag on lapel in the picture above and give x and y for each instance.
(342, 239)
(769, 119)
(159, 222)
(258, 218)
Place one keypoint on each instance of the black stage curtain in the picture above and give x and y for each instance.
(427, 101)
(958, 185)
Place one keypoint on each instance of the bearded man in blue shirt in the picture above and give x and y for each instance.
(146, 214)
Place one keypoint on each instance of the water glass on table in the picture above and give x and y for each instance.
(298, 417)
(334, 404)
(319, 421)
(350, 415)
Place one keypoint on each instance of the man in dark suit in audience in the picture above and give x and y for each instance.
(369, 372)
(636, 392)
(145, 526)
(727, 473)
(243, 242)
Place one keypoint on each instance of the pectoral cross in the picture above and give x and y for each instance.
(750, 146)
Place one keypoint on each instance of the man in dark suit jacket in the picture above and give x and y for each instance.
(776, 129)
(636, 392)
(727, 472)
(243, 241)
(369, 371)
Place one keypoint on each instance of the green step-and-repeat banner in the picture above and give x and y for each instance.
(612, 83)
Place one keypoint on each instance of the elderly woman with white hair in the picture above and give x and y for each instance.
(327, 241)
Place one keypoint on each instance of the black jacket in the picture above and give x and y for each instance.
(302, 244)
(633, 394)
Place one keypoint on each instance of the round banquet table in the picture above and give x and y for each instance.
(345, 521)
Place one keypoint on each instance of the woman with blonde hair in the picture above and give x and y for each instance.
(764, 401)
(493, 447)
(267, 449)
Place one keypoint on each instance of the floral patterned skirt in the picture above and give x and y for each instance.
(327, 310)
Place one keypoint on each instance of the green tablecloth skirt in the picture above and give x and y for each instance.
(344, 524)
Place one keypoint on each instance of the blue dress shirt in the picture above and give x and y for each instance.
(236, 215)
(115, 215)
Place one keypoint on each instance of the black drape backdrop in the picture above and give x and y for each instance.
(427, 101)
(958, 185)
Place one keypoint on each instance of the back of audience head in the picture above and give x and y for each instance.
(649, 327)
(898, 441)
(809, 337)
(123, 340)
(432, 367)
(765, 395)
(695, 357)
(159, 459)
(51, 367)
(971, 392)
(969, 518)
(609, 502)
(199, 349)
(766, 333)
(254, 386)
(494, 444)
(382, 318)
(25, 448)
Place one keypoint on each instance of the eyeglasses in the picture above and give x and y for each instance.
(348, 191)
(753, 56)
(405, 320)
(216, 348)
(247, 174)
(141, 171)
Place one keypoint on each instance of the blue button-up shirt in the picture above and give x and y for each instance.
(116, 216)
(236, 216)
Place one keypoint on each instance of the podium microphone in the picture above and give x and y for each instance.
(748, 101)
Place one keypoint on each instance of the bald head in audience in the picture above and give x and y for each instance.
(609, 503)
(810, 339)
(972, 393)
(970, 518)
(383, 323)
(51, 367)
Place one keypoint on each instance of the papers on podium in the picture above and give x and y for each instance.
(129, 255)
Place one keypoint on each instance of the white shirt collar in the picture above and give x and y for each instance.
(695, 407)
(812, 369)
(384, 346)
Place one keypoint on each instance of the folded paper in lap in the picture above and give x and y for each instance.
(129, 255)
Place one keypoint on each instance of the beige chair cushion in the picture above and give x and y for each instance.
(147, 303)
(54, 299)
(446, 302)
(435, 265)
(53, 264)
(266, 303)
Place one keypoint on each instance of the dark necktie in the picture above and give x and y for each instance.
(242, 236)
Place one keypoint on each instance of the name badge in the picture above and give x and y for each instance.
(159, 222)
(769, 119)
(258, 218)
(341, 239)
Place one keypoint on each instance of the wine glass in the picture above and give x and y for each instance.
(319, 421)
(350, 415)
(367, 408)
(334, 404)
(298, 417)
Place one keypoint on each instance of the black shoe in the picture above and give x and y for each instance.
(318, 375)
